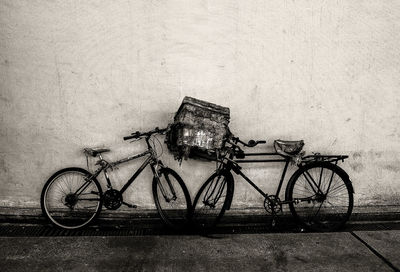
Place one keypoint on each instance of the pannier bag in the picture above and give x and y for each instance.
(199, 130)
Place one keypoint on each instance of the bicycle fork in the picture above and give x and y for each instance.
(158, 174)
(210, 192)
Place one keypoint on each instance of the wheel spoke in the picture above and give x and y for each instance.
(209, 203)
(330, 202)
(171, 198)
(66, 209)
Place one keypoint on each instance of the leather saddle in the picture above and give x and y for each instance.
(288, 148)
(95, 151)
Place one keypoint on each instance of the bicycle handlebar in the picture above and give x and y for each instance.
(139, 134)
(251, 143)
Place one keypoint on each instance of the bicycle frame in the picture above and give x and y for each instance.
(234, 165)
(104, 165)
(238, 171)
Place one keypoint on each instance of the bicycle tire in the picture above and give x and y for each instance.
(327, 208)
(220, 193)
(174, 212)
(65, 212)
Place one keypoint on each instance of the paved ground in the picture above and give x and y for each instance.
(241, 244)
(341, 251)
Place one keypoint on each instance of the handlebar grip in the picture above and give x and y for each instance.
(129, 137)
(134, 135)
(253, 143)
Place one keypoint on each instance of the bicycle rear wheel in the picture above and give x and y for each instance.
(172, 199)
(211, 201)
(69, 200)
(320, 196)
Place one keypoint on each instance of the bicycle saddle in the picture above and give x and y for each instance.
(288, 148)
(95, 151)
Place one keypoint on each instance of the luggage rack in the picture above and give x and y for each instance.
(326, 158)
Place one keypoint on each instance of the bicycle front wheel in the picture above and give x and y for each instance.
(70, 200)
(320, 196)
(172, 198)
(211, 201)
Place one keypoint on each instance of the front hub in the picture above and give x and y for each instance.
(320, 197)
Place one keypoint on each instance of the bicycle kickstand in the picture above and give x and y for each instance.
(273, 221)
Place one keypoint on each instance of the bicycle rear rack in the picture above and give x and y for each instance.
(326, 158)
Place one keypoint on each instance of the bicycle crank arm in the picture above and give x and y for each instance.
(129, 205)
(298, 200)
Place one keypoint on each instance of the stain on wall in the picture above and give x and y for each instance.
(85, 74)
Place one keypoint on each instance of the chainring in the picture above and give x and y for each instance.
(112, 199)
(272, 204)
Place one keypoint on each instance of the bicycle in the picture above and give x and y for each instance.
(73, 197)
(319, 193)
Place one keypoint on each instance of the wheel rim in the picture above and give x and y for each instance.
(323, 209)
(210, 203)
(172, 202)
(66, 209)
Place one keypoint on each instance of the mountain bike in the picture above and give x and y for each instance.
(319, 193)
(73, 197)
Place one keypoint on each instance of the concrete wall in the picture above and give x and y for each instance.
(87, 73)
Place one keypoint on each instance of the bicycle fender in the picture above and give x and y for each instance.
(319, 163)
(347, 177)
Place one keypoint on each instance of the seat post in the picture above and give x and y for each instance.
(106, 174)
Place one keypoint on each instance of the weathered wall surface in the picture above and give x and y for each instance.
(87, 73)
